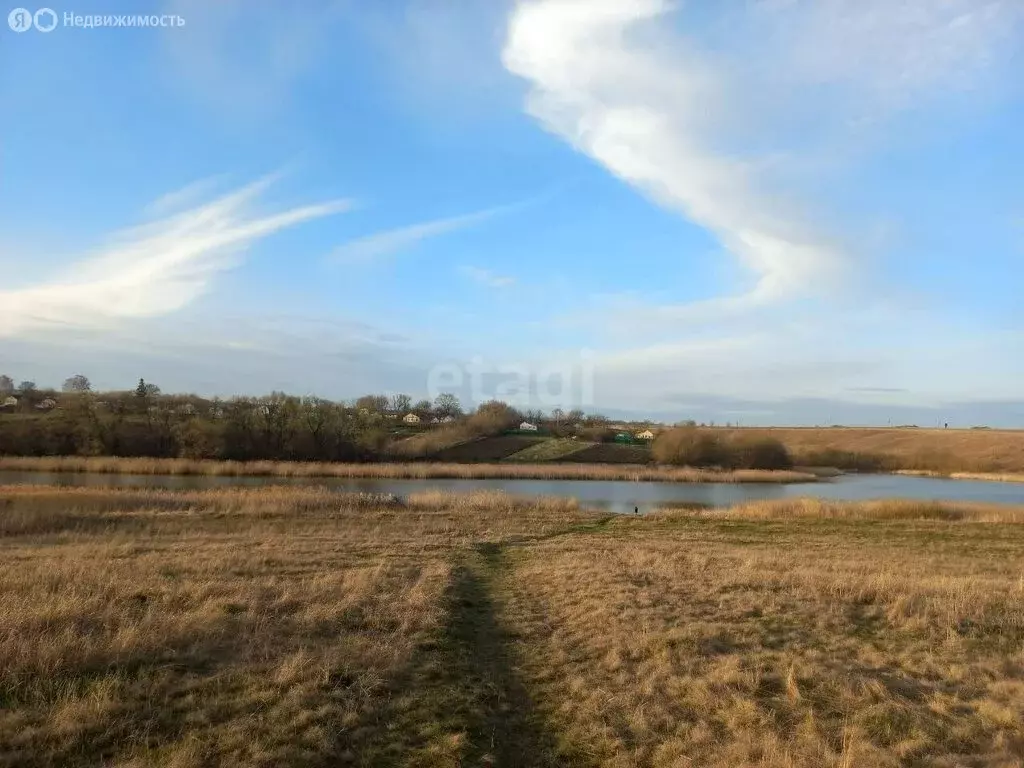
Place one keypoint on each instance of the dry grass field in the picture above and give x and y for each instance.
(281, 627)
(944, 451)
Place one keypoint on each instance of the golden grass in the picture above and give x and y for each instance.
(940, 450)
(740, 641)
(232, 627)
(1001, 477)
(882, 509)
(297, 626)
(412, 470)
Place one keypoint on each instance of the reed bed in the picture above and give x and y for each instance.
(998, 477)
(880, 510)
(392, 471)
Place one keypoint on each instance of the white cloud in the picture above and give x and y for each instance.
(154, 269)
(741, 118)
(724, 117)
(487, 278)
(601, 80)
(890, 52)
(388, 242)
(179, 199)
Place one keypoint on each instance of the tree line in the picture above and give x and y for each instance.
(146, 422)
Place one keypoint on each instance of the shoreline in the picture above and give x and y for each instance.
(991, 477)
(398, 470)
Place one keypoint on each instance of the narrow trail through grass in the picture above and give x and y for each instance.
(304, 627)
(461, 701)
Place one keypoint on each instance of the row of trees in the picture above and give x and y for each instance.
(146, 422)
(76, 383)
(447, 404)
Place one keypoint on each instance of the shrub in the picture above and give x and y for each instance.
(695, 447)
(761, 453)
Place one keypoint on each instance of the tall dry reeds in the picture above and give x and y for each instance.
(409, 470)
(879, 510)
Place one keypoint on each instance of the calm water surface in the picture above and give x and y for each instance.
(611, 495)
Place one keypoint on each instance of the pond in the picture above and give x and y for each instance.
(610, 495)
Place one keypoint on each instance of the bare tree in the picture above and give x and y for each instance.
(27, 387)
(401, 403)
(447, 404)
(6, 385)
(77, 383)
(373, 403)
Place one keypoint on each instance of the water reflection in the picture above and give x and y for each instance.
(612, 495)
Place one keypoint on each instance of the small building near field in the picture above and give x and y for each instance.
(411, 418)
(645, 435)
(9, 402)
(47, 404)
(623, 437)
(527, 427)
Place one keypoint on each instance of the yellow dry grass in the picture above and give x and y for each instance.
(296, 626)
(1002, 477)
(986, 451)
(805, 640)
(393, 470)
(269, 627)
(882, 509)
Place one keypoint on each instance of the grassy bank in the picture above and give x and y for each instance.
(412, 470)
(1002, 477)
(944, 451)
(300, 627)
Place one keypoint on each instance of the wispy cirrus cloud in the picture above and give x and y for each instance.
(154, 269)
(487, 277)
(724, 117)
(603, 78)
(388, 242)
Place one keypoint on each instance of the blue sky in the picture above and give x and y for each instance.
(781, 211)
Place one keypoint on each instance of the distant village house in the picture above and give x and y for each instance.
(9, 402)
(645, 435)
(527, 427)
(46, 405)
(411, 418)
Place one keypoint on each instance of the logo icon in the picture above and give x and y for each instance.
(20, 19)
(45, 20)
